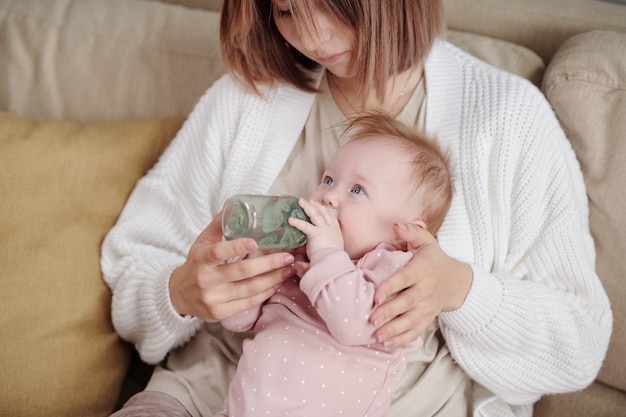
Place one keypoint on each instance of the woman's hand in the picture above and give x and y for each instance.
(208, 287)
(432, 282)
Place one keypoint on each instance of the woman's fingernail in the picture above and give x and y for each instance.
(379, 300)
(250, 245)
(378, 321)
(288, 260)
(382, 337)
(289, 272)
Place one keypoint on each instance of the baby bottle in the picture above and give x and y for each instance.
(264, 219)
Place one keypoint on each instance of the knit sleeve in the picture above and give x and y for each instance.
(234, 141)
(165, 213)
(537, 319)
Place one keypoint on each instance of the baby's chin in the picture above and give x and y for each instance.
(355, 254)
(358, 253)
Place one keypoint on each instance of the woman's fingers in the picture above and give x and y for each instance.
(217, 273)
(247, 268)
(244, 294)
(413, 297)
(255, 287)
(416, 237)
(400, 332)
(411, 313)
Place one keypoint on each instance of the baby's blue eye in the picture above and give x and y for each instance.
(357, 190)
(327, 180)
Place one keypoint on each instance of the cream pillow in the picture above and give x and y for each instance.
(63, 186)
(94, 60)
(502, 54)
(586, 84)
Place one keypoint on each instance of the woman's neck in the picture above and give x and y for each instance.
(399, 89)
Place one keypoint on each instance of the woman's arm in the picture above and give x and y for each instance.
(164, 271)
(536, 319)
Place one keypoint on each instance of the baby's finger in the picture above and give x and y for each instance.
(302, 225)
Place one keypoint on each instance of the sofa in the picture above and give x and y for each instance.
(92, 91)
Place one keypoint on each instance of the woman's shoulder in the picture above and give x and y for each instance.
(479, 74)
(230, 95)
(495, 89)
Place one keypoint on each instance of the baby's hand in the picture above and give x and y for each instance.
(323, 233)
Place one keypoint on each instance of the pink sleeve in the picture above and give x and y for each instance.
(343, 293)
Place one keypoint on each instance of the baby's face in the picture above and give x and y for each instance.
(369, 185)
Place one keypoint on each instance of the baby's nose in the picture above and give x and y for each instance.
(329, 200)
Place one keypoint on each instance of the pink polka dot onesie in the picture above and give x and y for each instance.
(313, 353)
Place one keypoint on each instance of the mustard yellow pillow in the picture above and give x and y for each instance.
(62, 187)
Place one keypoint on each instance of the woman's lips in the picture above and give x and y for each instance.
(330, 59)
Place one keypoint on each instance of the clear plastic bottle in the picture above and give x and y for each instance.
(264, 219)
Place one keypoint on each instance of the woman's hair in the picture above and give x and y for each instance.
(391, 37)
(432, 175)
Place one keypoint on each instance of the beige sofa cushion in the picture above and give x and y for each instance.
(586, 84)
(502, 54)
(63, 186)
(597, 400)
(94, 60)
(540, 25)
(197, 4)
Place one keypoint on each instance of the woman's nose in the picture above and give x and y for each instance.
(313, 38)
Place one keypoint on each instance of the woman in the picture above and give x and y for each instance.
(506, 298)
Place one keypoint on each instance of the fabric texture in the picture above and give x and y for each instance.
(152, 404)
(85, 60)
(506, 163)
(517, 59)
(63, 186)
(313, 351)
(91, 60)
(539, 25)
(94, 60)
(584, 70)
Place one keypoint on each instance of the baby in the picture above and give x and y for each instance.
(314, 351)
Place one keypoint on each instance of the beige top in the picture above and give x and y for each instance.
(432, 385)
(320, 139)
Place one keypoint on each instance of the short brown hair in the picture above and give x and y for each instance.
(391, 37)
(431, 165)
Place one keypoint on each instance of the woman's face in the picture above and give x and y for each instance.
(331, 45)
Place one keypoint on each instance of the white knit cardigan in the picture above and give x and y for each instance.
(536, 320)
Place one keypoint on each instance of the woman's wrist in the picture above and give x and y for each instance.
(461, 277)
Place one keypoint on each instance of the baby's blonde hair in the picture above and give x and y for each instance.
(433, 179)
